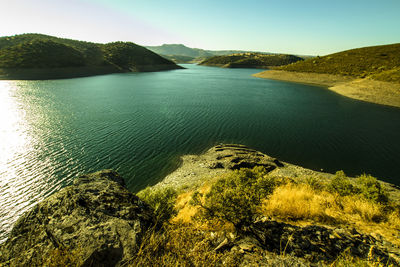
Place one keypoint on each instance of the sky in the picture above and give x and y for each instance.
(304, 27)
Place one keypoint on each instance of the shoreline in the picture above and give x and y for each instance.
(76, 72)
(368, 90)
(197, 170)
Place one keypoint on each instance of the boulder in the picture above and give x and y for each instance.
(94, 222)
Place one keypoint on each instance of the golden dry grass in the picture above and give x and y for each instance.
(300, 203)
(180, 245)
(187, 213)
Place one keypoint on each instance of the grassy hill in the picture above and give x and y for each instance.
(250, 60)
(376, 62)
(38, 56)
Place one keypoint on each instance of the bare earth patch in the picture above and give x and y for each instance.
(384, 93)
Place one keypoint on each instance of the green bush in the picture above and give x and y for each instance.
(371, 189)
(341, 184)
(162, 201)
(236, 197)
(315, 183)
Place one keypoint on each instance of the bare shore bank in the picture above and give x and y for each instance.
(384, 93)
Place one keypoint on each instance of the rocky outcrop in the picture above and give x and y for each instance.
(225, 158)
(96, 221)
(268, 242)
(316, 243)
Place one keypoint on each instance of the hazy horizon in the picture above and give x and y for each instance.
(308, 28)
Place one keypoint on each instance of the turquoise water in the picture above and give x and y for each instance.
(140, 123)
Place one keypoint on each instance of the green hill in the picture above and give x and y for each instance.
(250, 60)
(38, 56)
(376, 62)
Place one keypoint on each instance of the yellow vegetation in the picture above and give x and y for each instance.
(300, 203)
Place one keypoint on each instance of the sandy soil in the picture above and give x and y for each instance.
(384, 93)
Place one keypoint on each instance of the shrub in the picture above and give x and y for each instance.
(236, 198)
(162, 201)
(315, 183)
(341, 184)
(371, 189)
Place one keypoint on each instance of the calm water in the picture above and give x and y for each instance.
(139, 124)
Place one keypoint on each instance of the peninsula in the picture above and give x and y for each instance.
(250, 60)
(38, 56)
(369, 74)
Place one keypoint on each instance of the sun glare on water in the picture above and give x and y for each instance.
(14, 143)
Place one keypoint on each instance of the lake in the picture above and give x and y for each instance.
(141, 123)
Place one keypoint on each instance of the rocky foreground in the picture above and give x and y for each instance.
(98, 222)
(96, 219)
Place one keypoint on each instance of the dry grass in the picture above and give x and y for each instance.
(180, 245)
(300, 203)
(188, 213)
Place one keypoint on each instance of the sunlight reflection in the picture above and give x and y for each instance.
(13, 137)
(14, 143)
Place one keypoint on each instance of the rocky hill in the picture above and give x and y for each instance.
(231, 206)
(37, 56)
(250, 60)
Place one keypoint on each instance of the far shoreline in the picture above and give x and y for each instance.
(368, 90)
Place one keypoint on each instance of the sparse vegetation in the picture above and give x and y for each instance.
(240, 197)
(377, 62)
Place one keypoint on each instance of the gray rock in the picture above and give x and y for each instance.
(315, 243)
(96, 221)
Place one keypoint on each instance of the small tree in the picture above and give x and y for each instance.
(236, 198)
(371, 189)
(162, 201)
(341, 184)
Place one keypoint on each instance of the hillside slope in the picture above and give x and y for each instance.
(369, 74)
(363, 62)
(37, 56)
(250, 60)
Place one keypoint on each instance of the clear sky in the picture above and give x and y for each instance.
(308, 27)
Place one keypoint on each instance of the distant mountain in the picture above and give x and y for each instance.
(250, 60)
(179, 49)
(38, 56)
(182, 59)
(176, 52)
(376, 62)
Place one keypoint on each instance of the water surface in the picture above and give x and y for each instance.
(140, 123)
